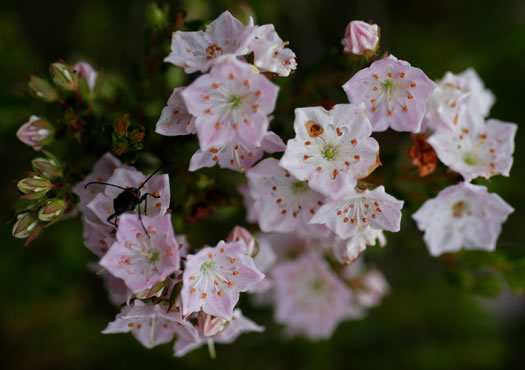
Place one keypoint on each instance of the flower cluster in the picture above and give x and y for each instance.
(465, 215)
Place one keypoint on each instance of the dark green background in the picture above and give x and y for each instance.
(52, 308)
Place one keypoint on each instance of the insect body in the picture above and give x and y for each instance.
(129, 199)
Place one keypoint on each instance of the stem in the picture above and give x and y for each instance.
(211, 349)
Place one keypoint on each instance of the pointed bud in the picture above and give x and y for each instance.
(42, 89)
(25, 225)
(211, 325)
(36, 133)
(64, 76)
(361, 38)
(47, 167)
(241, 234)
(121, 125)
(34, 187)
(88, 73)
(52, 210)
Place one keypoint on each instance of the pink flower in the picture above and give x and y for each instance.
(36, 133)
(462, 216)
(102, 171)
(454, 93)
(88, 73)
(269, 52)
(216, 329)
(214, 277)
(102, 204)
(348, 251)
(139, 260)
(237, 157)
(240, 234)
(197, 51)
(332, 149)
(395, 94)
(310, 299)
(475, 147)
(361, 38)
(98, 236)
(150, 324)
(356, 211)
(232, 102)
(175, 119)
(282, 202)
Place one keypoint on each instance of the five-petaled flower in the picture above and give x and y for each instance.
(462, 216)
(233, 101)
(395, 94)
(332, 149)
(214, 277)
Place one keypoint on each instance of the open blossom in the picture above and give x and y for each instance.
(214, 328)
(332, 149)
(476, 148)
(361, 38)
(269, 51)
(356, 211)
(395, 94)
(310, 299)
(282, 202)
(36, 133)
(196, 51)
(462, 216)
(237, 157)
(453, 93)
(88, 73)
(175, 119)
(158, 185)
(347, 251)
(214, 277)
(150, 324)
(139, 260)
(233, 101)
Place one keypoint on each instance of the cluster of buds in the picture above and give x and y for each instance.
(127, 137)
(43, 188)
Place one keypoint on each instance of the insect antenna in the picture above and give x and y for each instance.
(149, 177)
(103, 183)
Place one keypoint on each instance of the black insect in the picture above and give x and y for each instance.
(128, 200)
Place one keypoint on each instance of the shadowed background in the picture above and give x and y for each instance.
(52, 307)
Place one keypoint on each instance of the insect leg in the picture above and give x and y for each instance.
(140, 219)
(114, 223)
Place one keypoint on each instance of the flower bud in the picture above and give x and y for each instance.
(25, 225)
(156, 16)
(52, 210)
(88, 73)
(121, 125)
(241, 234)
(64, 76)
(42, 89)
(361, 38)
(211, 325)
(47, 167)
(36, 132)
(34, 187)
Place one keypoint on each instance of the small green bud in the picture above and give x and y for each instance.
(25, 225)
(42, 89)
(34, 187)
(64, 76)
(47, 167)
(157, 17)
(52, 210)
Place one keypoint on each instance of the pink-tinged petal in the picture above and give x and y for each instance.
(475, 147)
(231, 102)
(462, 216)
(175, 119)
(188, 339)
(361, 38)
(332, 149)
(142, 260)
(310, 299)
(238, 325)
(98, 236)
(348, 251)
(87, 72)
(36, 132)
(356, 211)
(394, 93)
(214, 277)
(282, 202)
(234, 156)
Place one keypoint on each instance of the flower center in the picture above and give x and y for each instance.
(235, 101)
(470, 159)
(329, 152)
(389, 84)
(154, 257)
(299, 187)
(316, 285)
(207, 266)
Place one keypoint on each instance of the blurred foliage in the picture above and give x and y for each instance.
(53, 307)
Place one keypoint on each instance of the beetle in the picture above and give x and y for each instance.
(129, 199)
